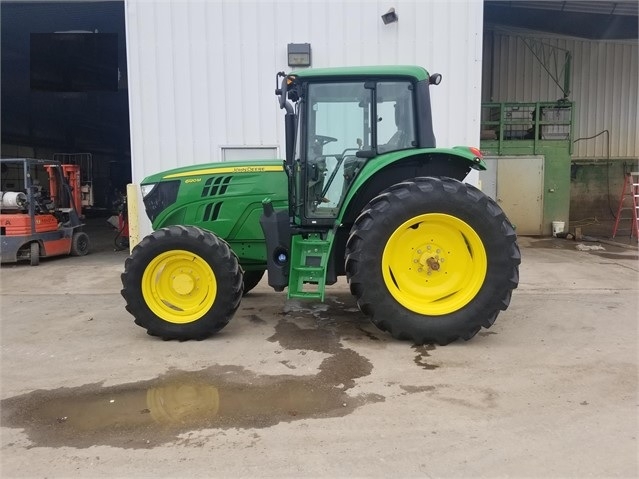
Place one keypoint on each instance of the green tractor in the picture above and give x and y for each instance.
(363, 192)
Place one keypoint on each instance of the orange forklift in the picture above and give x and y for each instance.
(36, 222)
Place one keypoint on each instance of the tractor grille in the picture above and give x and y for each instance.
(212, 211)
(216, 185)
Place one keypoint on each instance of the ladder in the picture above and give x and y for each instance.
(309, 258)
(630, 189)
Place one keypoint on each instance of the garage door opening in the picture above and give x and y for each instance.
(64, 91)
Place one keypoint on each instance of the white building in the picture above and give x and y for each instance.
(202, 74)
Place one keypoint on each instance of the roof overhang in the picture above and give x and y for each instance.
(595, 20)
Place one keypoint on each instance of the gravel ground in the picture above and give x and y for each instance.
(293, 389)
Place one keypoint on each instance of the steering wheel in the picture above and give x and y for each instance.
(323, 140)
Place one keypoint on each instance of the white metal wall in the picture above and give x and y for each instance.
(202, 73)
(604, 88)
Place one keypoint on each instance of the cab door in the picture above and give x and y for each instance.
(337, 116)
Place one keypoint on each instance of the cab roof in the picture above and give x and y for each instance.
(415, 72)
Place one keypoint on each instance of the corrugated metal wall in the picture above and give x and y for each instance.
(604, 87)
(202, 73)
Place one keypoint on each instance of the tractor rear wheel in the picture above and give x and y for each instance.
(182, 282)
(432, 260)
(251, 280)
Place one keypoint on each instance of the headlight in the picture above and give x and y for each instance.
(159, 196)
(146, 189)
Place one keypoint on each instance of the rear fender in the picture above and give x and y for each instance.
(386, 170)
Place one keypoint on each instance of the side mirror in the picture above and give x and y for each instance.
(283, 90)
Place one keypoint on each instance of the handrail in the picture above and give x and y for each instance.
(509, 119)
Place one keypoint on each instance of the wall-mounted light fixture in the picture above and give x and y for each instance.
(299, 54)
(390, 16)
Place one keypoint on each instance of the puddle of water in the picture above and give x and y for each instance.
(146, 414)
(418, 389)
(339, 314)
(618, 256)
(612, 251)
(486, 333)
(254, 318)
(551, 243)
(149, 413)
(422, 354)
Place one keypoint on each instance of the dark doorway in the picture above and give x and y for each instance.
(64, 89)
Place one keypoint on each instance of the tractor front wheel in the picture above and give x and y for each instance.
(182, 282)
(432, 260)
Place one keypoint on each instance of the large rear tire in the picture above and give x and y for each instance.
(432, 260)
(182, 282)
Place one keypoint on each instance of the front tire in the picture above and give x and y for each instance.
(182, 282)
(432, 260)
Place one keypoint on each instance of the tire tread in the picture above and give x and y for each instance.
(363, 232)
(214, 250)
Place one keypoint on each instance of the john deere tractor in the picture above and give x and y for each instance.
(363, 192)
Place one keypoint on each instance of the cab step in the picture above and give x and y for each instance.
(309, 258)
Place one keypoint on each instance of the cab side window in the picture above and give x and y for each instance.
(395, 116)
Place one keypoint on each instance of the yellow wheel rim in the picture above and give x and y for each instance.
(434, 264)
(179, 286)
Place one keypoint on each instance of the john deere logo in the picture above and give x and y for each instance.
(249, 169)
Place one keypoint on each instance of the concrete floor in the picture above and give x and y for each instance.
(294, 389)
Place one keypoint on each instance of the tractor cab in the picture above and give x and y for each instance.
(339, 120)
